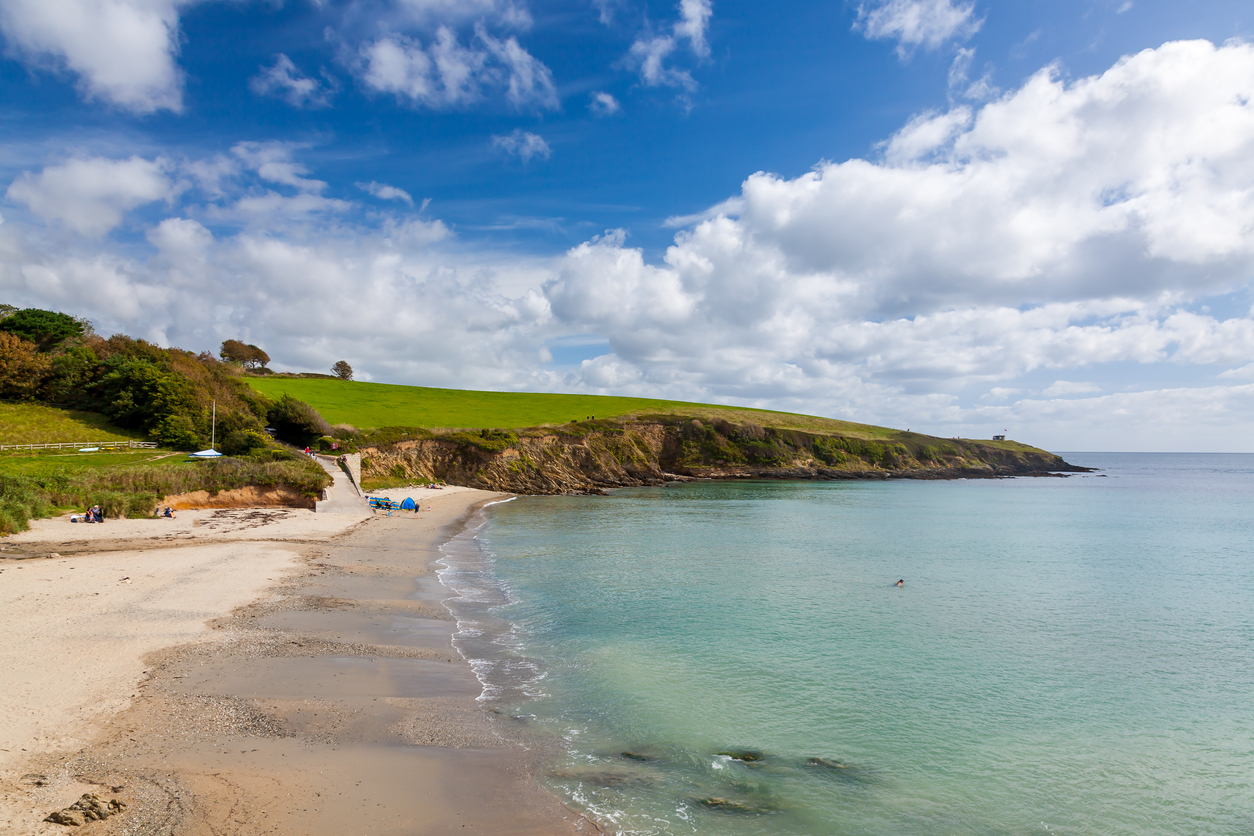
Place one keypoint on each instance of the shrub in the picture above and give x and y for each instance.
(493, 441)
(22, 368)
(751, 432)
(46, 329)
(760, 452)
(826, 451)
(177, 432)
(243, 442)
(297, 422)
(20, 500)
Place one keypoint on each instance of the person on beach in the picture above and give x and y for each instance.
(900, 583)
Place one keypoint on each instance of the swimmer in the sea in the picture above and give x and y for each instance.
(900, 583)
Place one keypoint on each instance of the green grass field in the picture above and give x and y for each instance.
(28, 423)
(370, 405)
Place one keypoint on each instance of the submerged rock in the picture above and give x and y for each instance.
(824, 763)
(606, 777)
(728, 805)
(743, 755)
(88, 808)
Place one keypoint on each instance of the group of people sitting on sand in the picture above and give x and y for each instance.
(91, 515)
(168, 512)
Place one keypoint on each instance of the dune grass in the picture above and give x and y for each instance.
(32, 423)
(372, 405)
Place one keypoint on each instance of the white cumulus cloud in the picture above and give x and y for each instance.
(121, 51)
(91, 195)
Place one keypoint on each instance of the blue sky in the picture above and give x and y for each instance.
(956, 217)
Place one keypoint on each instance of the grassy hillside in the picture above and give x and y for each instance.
(30, 423)
(370, 405)
(123, 482)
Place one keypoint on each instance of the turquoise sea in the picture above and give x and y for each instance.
(1066, 656)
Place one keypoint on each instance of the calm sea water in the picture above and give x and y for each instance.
(1067, 656)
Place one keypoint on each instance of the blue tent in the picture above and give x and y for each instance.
(407, 505)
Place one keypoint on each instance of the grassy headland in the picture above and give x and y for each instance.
(551, 443)
(374, 405)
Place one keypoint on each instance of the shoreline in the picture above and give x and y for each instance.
(325, 700)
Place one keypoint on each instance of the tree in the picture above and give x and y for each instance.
(46, 329)
(22, 368)
(247, 355)
(342, 370)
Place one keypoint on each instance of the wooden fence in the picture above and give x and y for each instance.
(76, 445)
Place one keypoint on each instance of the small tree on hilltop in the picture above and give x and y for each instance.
(245, 354)
(233, 351)
(342, 370)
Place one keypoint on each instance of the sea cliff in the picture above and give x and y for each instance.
(589, 457)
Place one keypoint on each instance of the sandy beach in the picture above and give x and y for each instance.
(250, 671)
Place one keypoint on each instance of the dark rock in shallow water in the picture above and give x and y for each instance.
(606, 777)
(824, 763)
(88, 808)
(728, 805)
(743, 755)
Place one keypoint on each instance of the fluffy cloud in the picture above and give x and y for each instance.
(285, 81)
(915, 23)
(122, 51)
(446, 73)
(91, 195)
(1060, 227)
(523, 144)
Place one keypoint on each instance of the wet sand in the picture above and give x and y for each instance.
(333, 704)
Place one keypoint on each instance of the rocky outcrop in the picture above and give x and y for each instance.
(593, 456)
(87, 809)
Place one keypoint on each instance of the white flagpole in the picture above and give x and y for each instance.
(213, 427)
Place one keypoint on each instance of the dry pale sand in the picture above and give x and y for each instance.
(76, 630)
(419, 493)
(201, 526)
(251, 672)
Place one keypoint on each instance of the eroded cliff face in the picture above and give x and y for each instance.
(589, 458)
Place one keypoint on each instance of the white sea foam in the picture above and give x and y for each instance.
(493, 647)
